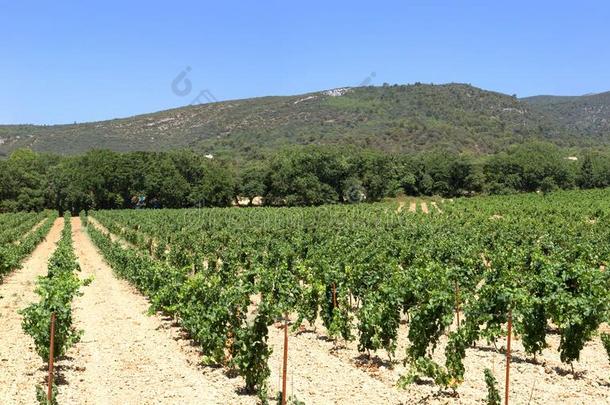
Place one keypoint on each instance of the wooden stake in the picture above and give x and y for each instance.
(510, 328)
(51, 356)
(334, 296)
(284, 393)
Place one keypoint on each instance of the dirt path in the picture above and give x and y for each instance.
(18, 360)
(126, 356)
(315, 376)
(424, 207)
(435, 205)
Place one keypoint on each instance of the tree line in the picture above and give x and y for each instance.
(311, 175)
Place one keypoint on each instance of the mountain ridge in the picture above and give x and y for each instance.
(392, 118)
(588, 113)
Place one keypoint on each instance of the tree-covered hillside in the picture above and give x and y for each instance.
(455, 117)
(588, 114)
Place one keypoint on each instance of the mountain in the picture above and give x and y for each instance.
(588, 114)
(394, 118)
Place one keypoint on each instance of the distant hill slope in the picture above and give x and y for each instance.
(390, 118)
(589, 114)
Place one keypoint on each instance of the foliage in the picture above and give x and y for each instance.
(291, 400)
(293, 176)
(252, 352)
(428, 368)
(41, 395)
(493, 396)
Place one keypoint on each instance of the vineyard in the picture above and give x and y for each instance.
(19, 234)
(377, 277)
(377, 303)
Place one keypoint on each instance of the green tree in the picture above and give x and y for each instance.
(216, 188)
(23, 182)
(586, 178)
(548, 185)
(353, 191)
(251, 181)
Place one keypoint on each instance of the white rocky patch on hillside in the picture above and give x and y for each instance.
(337, 92)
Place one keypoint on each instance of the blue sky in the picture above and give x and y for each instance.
(70, 61)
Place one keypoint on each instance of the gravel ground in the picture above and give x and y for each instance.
(546, 381)
(315, 376)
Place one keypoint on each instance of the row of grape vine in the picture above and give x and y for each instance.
(56, 290)
(20, 233)
(362, 269)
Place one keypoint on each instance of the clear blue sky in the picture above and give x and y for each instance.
(66, 61)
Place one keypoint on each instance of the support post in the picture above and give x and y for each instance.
(285, 368)
(510, 331)
(51, 358)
